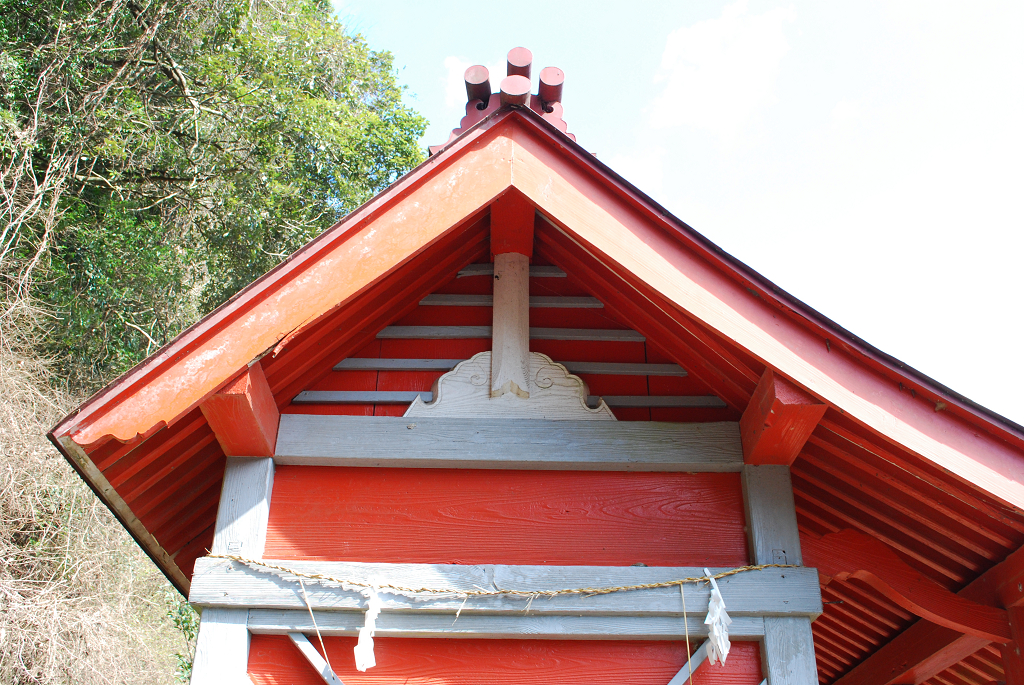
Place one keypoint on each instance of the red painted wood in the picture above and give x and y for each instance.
(778, 421)
(168, 441)
(433, 349)
(915, 512)
(512, 223)
(851, 554)
(436, 315)
(149, 470)
(243, 415)
(197, 547)
(619, 300)
(589, 351)
(843, 512)
(354, 325)
(174, 492)
(474, 516)
(273, 660)
(945, 487)
(861, 499)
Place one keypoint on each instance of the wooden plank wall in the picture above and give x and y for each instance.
(475, 516)
(559, 350)
(470, 516)
(412, 661)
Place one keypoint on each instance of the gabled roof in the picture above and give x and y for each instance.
(629, 235)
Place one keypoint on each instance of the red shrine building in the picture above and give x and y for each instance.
(512, 422)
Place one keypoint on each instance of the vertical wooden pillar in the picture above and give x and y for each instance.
(510, 347)
(787, 653)
(1013, 652)
(222, 648)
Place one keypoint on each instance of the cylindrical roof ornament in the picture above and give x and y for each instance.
(515, 90)
(519, 61)
(551, 80)
(478, 83)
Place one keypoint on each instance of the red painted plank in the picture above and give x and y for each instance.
(273, 660)
(588, 351)
(433, 315)
(513, 517)
(512, 224)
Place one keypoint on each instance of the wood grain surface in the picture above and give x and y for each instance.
(472, 516)
(273, 660)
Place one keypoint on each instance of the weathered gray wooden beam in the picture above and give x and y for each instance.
(595, 368)
(508, 444)
(360, 397)
(624, 369)
(541, 301)
(787, 651)
(488, 270)
(318, 663)
(766, 592)
(710, 401)
(361, 364)
(407, 396)
(523, 625)
(222, 646)
(693, 663)
(469, 332)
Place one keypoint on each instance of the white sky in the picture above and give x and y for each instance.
(866, 157)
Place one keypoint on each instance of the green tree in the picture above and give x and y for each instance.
(155, 157)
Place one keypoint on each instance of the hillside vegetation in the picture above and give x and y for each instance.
(155, 157)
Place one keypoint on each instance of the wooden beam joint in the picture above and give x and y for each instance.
(777, 422)
(244, 415)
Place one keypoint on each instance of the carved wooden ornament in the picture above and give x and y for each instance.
(554, 394)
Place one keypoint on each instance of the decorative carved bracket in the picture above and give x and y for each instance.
(852, 554)
(554, 394)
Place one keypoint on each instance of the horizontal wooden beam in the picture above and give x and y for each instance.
(709, 401)
(526, 625)
(540, 302)
(488, 270)
(508, 444)
(595, 368)
(360, 396)
(765, 592)
(407, 396)
(470, 332)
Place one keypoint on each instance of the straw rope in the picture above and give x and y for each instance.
(256, 564)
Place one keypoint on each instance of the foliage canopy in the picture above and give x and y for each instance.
(158, 156)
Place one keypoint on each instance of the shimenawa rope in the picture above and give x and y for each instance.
(480, 592)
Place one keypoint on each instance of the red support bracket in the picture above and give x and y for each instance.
(852, 554)
(777, 421)
(925, 649)
(244, 415)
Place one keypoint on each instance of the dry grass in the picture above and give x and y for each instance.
(79, 601)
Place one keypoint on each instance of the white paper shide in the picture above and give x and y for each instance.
(717, 622)
(364, 648)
